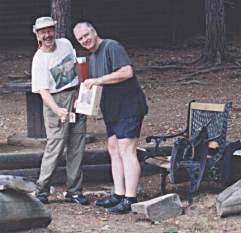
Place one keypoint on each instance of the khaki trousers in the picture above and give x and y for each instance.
(61, 136)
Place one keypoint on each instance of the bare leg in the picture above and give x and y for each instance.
(116, 165)
(132, 170)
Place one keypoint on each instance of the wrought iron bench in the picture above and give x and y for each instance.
(204, 160)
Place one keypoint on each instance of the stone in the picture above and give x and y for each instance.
(21, 211)
(228, 202)
(160, 208)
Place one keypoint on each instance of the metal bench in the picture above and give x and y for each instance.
(208, 163)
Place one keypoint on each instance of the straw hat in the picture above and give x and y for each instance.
(43, 22)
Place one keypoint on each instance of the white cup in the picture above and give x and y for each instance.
(81, 60)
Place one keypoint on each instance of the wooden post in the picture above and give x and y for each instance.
(34, 107)
(35, 121)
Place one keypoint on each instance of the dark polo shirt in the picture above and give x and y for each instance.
(122, 100)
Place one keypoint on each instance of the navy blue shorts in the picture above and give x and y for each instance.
(124, 128)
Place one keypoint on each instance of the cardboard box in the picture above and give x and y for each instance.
(89, 100)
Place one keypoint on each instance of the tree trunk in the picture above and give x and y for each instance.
(214, 51)
(61, 11)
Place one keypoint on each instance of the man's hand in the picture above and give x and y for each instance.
(92, 81)
(62, 114)
(48, 99)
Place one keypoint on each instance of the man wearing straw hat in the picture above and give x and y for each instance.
(55, 79)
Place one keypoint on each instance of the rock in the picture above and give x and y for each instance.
(160, 208)
(228, 202)
(21, 211)
(16, 183)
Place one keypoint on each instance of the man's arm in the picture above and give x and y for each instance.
(120, 75)
(50, 102)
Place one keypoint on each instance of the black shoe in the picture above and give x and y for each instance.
(122, 208)
(109, 202)
(43, 197)
(79, 199)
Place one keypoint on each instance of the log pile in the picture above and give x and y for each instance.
(96, 166)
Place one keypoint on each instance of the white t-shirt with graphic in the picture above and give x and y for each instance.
(54, 71)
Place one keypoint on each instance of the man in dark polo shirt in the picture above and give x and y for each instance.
(123, 106)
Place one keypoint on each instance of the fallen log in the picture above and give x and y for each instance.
(25, 141)
(32, 159)
(24, 160)
(92, 173)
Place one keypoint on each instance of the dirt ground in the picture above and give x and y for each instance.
(168, 93)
